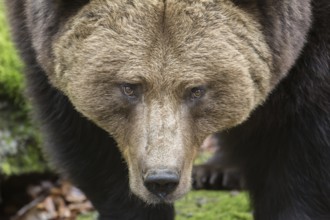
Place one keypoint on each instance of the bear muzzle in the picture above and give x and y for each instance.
(161, 182)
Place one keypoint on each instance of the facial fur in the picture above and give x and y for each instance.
(164, 51)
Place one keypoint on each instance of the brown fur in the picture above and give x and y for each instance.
(167, 48)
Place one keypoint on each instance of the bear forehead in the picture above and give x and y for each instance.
(158, 41)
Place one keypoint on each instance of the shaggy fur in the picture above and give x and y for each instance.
(79, 55)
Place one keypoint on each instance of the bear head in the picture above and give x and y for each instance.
(160, 76)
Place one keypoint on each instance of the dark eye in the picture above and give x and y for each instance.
(128, 90)
(197, 92)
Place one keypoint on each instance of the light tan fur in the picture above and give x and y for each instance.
(166, 47)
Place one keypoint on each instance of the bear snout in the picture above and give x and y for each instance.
(161, 182)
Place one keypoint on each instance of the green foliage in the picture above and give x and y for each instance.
(19, 139)
(11, 85)
(219, 205)
(88, 216)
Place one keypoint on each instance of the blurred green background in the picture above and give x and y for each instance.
(19, 138)
(20, 143)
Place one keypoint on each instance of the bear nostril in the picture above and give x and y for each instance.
(161, 182)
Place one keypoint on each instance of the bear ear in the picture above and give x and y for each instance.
(53, 9)
(44, 19)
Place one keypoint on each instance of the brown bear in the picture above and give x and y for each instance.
(127, 90)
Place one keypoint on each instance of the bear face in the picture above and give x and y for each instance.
(160, 83)
(159, 76)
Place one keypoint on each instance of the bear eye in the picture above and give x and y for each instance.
(128, 90)
(197, 92)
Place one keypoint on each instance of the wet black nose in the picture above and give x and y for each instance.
(161, 182)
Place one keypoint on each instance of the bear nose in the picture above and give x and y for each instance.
(161, 182)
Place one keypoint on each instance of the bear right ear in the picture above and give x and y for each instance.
(44, 19)
(52, 10)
